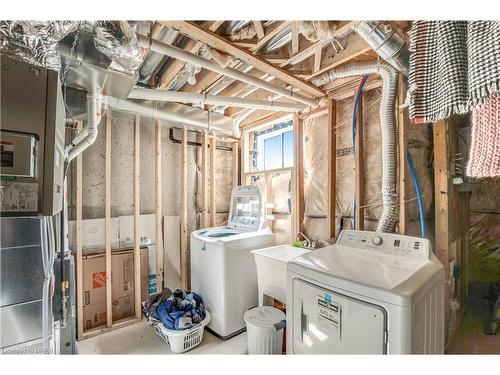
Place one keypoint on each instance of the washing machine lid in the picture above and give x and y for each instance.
(392, 275)
(227, 236)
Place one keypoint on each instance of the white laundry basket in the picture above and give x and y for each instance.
(183, 340)
(265, 326)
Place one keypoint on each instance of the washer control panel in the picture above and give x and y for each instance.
(388, 243)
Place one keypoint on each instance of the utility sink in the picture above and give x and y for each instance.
(271, 270)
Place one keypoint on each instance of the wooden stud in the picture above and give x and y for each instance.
(245, 156)
(235, 164)
(213, 209)
(403, 123)
(96, 331)
(332, 167)
(216, 41)
(158, 209)
(299, 171)
(268, 178)
(259, 29)
(107, 214)
(441, 191)
(185, 277)
(204, 181)
(79, 253)
(359, 170)
(137, 218)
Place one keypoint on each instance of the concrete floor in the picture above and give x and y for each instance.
(140, 338)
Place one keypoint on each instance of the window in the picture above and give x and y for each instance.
(274, 148)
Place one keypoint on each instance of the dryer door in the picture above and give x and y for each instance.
(326, 322)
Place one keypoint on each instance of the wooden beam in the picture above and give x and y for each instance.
(204, 181)
(317, 58)
(299, 171)
(403, 123)
(185, 277)
(259, 29)
(107, 215)
(219, 43)
(344, 88)
(332, 167)
(235, 163)
(137, 218)
(213, 208)
(295, 38)
(177, 65)
(158, 209)
(355, 47)
(359, 170)
(79, 241)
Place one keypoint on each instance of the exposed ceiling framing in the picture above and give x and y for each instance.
(292, 66)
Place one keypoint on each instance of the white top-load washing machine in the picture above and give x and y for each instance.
(223, 270)
(370, 293)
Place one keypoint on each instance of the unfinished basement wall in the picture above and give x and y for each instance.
(223, 182)
(316, 168)
(122, 169)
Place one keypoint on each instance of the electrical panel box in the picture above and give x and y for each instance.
(32, 119)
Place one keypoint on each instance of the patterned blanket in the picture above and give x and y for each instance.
(454, 67)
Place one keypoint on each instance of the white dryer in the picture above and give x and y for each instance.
(223, 270)
(370, 293)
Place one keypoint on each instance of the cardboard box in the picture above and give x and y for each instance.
(122, 285)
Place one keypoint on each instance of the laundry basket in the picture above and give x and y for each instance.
(183, 340)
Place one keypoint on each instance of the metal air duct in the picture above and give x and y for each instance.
(389, 77)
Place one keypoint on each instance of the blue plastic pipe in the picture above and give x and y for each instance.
(416, 186)
(354, 115)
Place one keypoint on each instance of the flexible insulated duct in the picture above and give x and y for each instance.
(389, 77)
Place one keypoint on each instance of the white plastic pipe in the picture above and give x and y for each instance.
(389, 77)
(88, 135)
(188, 97)
(189, 57)
(155, 113)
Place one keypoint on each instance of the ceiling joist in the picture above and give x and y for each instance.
(219, 43)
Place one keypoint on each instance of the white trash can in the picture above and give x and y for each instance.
(265, 330)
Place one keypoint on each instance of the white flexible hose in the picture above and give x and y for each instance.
(389, 77)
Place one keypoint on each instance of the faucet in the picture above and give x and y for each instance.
(307, 242)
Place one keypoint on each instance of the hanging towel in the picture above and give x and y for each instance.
(484, 159)
(454, 66)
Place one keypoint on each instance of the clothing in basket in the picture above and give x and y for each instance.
(181, 311)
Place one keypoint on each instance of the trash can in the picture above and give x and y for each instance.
(265, 330)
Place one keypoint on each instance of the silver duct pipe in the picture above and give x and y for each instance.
(181, 54)
(208, 121)
(153, 59)
(388, 129)
(88, 135)
(384, 41)
(187, 97)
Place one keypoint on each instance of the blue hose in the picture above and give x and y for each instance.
(416, 185)
(354, 115)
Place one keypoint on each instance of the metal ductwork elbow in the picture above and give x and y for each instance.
(386, 43)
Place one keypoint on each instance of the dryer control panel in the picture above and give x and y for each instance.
(388, 243)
